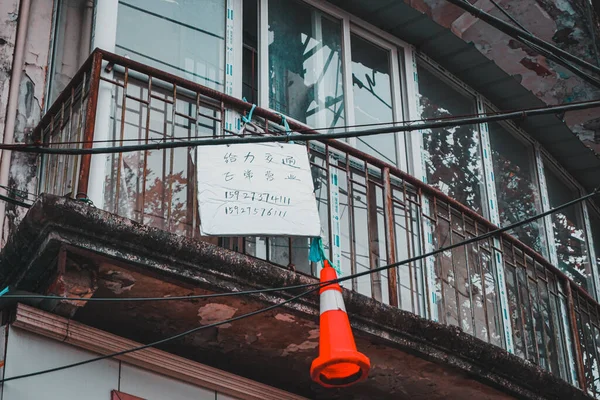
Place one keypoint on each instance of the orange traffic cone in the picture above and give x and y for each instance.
(339, 363)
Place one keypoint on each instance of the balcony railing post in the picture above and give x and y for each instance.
(390, 237)
(90, 123)
(575, 334)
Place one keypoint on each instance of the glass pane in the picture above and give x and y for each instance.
(177, 37)
(595, 222)
(305, 64)
(250, 52)
(569, 235)
(452, 155)
(372, 91)
(517, 192)
(71, 43)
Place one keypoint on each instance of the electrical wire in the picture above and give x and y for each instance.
(162, 341)
(307, 130)
(561, 61)
(14, 201)
(342, 279)
(521, 35)
(303, 137)
(318, 285)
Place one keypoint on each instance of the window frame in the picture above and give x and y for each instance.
(456, 85)
(349, 25)
(550, 164)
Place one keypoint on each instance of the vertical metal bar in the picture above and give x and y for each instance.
(483, 286)
(139, 156)
(195, 162)
(122, 136)
(90, 122)
(146, 152)
(390, 238)
(171, 161)
(329, 213)
(541, 314)
(408, 213)
(530, 309)
(443, 316)
(411, 269)
(456, 289)
(373, 235)
(575, 334)
(75, 139)
(352, 223)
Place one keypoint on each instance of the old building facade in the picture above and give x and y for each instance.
(511, 315)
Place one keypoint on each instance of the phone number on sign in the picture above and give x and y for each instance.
(255, 211)
(257, 196)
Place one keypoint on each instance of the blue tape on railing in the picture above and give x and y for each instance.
(4, 291)
(248, 118)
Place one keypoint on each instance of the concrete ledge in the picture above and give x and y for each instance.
(30, 258)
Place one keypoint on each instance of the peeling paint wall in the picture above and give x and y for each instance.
(9, 13)
(30, 100)
(564, 23)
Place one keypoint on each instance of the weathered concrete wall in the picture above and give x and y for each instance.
(564, 23)
(30, 101)
(9, 14)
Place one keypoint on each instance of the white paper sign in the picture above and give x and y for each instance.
(256, 189)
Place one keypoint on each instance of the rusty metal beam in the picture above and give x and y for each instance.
(390, 237)
(576, 341)
(243, 106)
(90, 122)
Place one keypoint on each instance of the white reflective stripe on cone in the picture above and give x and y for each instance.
(332, 300)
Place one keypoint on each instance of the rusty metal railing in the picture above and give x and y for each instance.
(386, 215)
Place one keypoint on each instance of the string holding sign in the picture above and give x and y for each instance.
(256, 189)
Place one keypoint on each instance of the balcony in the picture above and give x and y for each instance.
(498, 290)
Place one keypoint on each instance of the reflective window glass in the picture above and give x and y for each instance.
(305, 64)
(567, 226)
(595, 222)
(517, 193)
(175, 36)
(371, 87)
(71, 45)
(452, 155)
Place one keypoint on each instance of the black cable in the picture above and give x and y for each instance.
(143, 299)
(319, 284)
(162, 341)
(521, 35)
(14, 201)
(561, 61)
(368, 272)
(303, 137)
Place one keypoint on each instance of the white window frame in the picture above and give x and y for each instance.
(350, 25)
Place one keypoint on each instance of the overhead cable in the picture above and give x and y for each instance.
(307, 285)
(520, 34)
(162, 341)
(559, 60)
(434, 124)
(314, 286)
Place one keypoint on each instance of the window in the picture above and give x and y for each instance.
(71, 44)
(595, 223)
(371, 87)
(517, 192)
(305, 64)
(567, 229)
(452, 155)
(250, 52)
(178, 37)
